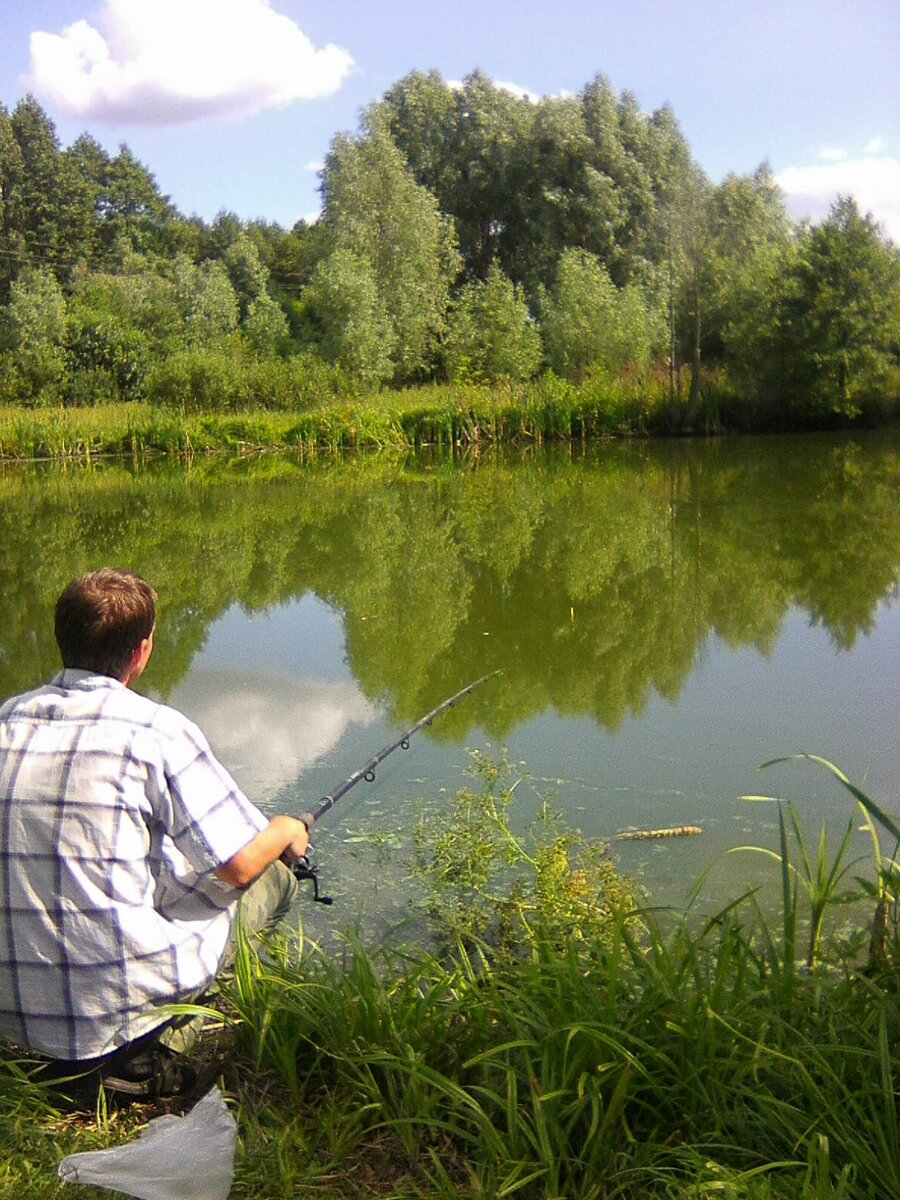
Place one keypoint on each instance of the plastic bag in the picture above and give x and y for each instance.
(175, 1158)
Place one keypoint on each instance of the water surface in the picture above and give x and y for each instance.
(665, 616)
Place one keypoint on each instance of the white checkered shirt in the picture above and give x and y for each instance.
(114, 815)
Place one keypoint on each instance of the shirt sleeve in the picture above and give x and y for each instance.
(207, 816)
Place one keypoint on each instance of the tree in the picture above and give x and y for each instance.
(117, 325)
(12, 242)
(206, 299)
(51, 204)
(588, 322)
(34, 335)
(348, 320)
(470, 147)
(133, 212)
(265, 327)
(838, 321)
(246, 271)
(375, 211)
(689, 251)
(492, 335)
(751, 252)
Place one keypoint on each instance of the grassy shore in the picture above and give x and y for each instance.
(434, 415)
(553, 1038)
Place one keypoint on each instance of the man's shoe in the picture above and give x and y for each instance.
(154, 1073)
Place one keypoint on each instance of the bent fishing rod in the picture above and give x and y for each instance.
(302, 868)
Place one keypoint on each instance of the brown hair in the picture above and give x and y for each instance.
(102, 618)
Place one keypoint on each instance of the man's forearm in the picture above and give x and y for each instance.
(282, 834)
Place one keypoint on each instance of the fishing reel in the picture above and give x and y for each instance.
(304, 870)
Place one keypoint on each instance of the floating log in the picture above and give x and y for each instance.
(639, 835)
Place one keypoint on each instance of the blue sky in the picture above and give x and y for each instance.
(232, 103)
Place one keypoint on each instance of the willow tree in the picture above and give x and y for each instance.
(374, 210)
(492, 335)
(588, 323)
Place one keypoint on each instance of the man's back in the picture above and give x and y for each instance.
(113, 819)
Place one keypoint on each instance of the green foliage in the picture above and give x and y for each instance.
(33, 372)
(485, 884)
(584, 208)
(837, 322)
(588, 322)
(225, 378)
(265, 327)
(206, 300)
(491, 334)
(375, 211)
(662, 1061)
(526, 178)
(352, 328)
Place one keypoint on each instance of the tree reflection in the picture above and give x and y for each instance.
(593, 580)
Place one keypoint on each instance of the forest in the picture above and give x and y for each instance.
(467, 236)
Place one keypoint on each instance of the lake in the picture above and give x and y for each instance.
(666, 616)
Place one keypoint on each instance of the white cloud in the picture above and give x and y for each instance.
(877, 145)
(874, 182)
(832, 154)
(169, 61)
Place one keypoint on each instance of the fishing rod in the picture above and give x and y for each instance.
(302, 868)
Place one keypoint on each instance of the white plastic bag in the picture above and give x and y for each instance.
(175, 1158)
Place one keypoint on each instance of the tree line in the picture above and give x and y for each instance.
(467, 234)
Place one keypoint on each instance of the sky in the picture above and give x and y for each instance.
(232, 104)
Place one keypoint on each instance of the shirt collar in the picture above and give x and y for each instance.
(75, 679)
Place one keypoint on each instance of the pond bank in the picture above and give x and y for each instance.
(550, 409)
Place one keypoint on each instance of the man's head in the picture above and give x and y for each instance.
(105, 621)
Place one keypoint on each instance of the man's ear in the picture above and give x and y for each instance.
(138, 660)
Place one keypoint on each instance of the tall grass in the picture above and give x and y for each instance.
(661, 1068)
(635, 1054)
(441, 415)
(672, 1057)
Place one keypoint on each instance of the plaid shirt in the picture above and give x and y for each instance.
(114, 816)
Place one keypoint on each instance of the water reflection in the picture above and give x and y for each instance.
(665, 616)
(270, 728)
(594, 582)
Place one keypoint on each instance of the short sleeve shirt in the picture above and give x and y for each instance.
(114, 816)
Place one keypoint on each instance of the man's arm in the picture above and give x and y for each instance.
(282, 834)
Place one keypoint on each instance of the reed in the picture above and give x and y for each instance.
(444, 415)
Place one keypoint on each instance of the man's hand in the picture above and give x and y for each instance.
(298, 846)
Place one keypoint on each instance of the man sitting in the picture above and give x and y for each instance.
(125, 847)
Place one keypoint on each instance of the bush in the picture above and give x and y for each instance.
(486, 885)
(491, 333)
(220, 379)
(106, 361)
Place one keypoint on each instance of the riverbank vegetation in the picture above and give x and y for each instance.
(553, 1036)
(568, 249)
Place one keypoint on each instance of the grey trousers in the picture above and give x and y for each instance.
(265, 903)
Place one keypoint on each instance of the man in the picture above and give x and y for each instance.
(124, 850)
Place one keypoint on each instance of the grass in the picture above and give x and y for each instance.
(443, 415)
(645, 1054)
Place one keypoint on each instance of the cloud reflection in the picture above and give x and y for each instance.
(267, 728)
